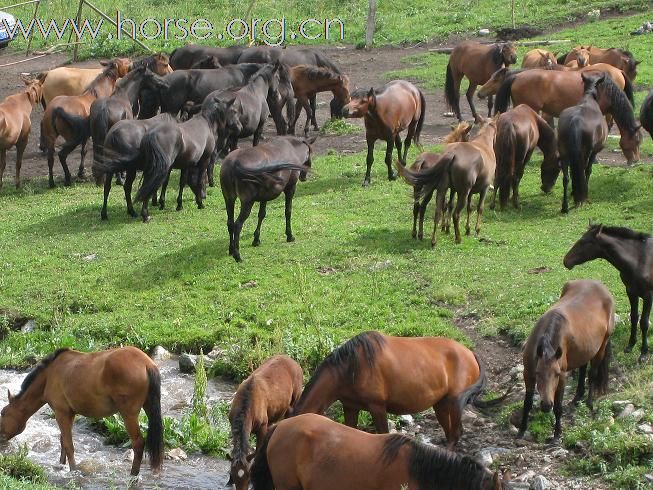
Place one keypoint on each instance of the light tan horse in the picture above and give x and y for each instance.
(15, 124)
(96, 385)
(619, 58)
(539, 58)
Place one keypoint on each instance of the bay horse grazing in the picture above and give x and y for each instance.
(96, 385)
(309, 80)
(538, 58)
(477, 62)
(264, 398)
(15, 123)
(57, 121)
(631, 253)
(646, 113)
(260, 174)
(370, 372)
(398, 106)
(519, 131)
(573, 333)
(619, 58)
(466, 168)
(312, 452)
(428, 160)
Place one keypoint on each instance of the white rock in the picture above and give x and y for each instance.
(128, 456)
(620, 404)
(645, 428)
(540, 483)
(627, 411)
(406, 419)
(29, 326)
(160, 354)
(484, 457)
(176, 454)
(42, 445)
(638, 414)
(484, 32)
(525, 476)
(560, 453)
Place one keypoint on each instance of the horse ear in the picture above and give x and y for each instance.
(637, 62)
(104, 63)
(9, 397)
(558, 352)
(371, 92)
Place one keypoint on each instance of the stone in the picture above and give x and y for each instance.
(29, 326)
(524, 477)
(540, 483)
(516, 371)
(406, 420)
(160, 354)
(627, 411)
(216, 353)
(187, 363)
(560, 453)
(648, 477)
(42, 445)
(487, 455)
(469, 415)
(645, 428)
(620, 404)
(128, 456)
(637, 414)
(484, 32)
(90, 257)
(90, 467)
(176, 454)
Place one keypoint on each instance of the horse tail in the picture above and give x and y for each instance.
(154, 440)
(113, 161)
(80, 125)
(261, 476)
(450, 91)
(504, 94)
(258, 174)
(422, 116)
(473, 391)
(157, 164)
(628, 90)
(427, 179)
(505, 152)
(577, 162)
(601, 370)
(99, 130)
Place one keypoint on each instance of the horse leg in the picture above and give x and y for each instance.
(138, 444)
(392, 175)
(470, 98)
(494, 198)
(182, 183)
(310, 115)
(64, 420)
(164, 188)
(293, 116)
(62, 456)
(261, 215)
(20, 149)
(398, 146)
(127, 187)
(63, 154)
(380, 417)
(643, 324)
(257, 134)
(469, 214)
(528, 404)
(50, 151)
(230, 205)
(479, 210)
(351, 416)
(633, 298)
(446, 227)
(460, 204)
(580, 388)
(313, 110)
(289, 194)
(107, 190)
(422, 210)
(369, 161)
(490, 105)
(416, 208)
(81, 171)
(245, 210)
(3, 164)
(120, 178)
(557, 408)
(565, 184)
(209, 172)
(439, 208)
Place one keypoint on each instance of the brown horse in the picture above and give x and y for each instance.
(477, 62)
(632, 254)
(519, 131)
(56, 123)
(539, 58)
(572, 333)
(371, 372)
(312, 452)
(261, 173)
(428, 160)
(467, 168)
(619, 58)
(264, 398)
(396, 107)
(96, 385)
(308, 80)
(15, 124)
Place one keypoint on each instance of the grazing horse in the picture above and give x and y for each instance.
(308, 80)
(572, 333)
(519, 131)
(57, 120)
(15, 123)
(264, 398)
(428, 160)
(466, 168)
(632, 254)
(371, 372)
(260, 174)
(538, 58)
(646, 113)
(312, 452)
(477, 62)
(396, 107)
(619, 58)
(185, 57)
(97, 385)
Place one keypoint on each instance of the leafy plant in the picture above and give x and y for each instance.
(17, 466)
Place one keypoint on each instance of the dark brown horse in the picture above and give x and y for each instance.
(398, 106)
(466, 168)
(372, 372)
(264, 398)
(96, 385)
(574, 332)
(646, 113)
(260, 174)
(619, 58)
(477, 62)
(312, 452)
(519, 131)
(632, 254)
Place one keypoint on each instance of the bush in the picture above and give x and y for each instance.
(17, 466)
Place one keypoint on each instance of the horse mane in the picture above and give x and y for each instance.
(457, 133)
(136, 70)
(621, 110)
(240, 440)
(40, 367)
(319, 72)
(110, 71)
(554, 320)
(429, 464)
(497, 54)
(326, 62)
(621, 232)
(149, 61)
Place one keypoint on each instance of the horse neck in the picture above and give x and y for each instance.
(22, 100)
(547, 140)
(32, 399)
(625, 254)
(129, 91)
(104, 86)
(486, 136)
(322, 393)
(259, 86)
(240, 434)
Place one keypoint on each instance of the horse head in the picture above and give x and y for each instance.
(12, 421)
(492, 85)
(308, 162)
(360, 103)
(120, 65)
(629, 143)
(207, 62)
(240, 471)
(583, 56)
(161, 64)
(33, 89)
(509, 53)
(547, 373)
(586, 248)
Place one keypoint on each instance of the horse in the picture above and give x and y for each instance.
(646, 113)
(572, 333)
(631, 253)
(312, 452)
(370, 372)
(15, 123)
(208, 62)
(428, 160)
(185, 57)
(97, 385)
(387, 112)
(260, 174)
(466, 168)
(477, 62)
(57, 121)
(307, 81)
(121, 153)
(538, 58)
(619, 58)
(186, 145)
(264, 398)
(519, 131)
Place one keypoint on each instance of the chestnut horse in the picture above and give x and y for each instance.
(619, 58)
(477, 62)
(308, 80)
(646, 113)
(97, 385)
(15, 123)
(519, 131)
(396, 107)
(466, 168)
(264, 398)
(575, 331)
(632, 254)
(539, 58)
(428, 160)
(371, 372)
(312, 452)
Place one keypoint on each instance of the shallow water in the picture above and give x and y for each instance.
(108, 465)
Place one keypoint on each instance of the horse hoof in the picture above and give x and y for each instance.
(51, 184)
(104, 217)
(643, 358)
(67, 183)
(147, 219)
(553, 440)
(200, 206)
(179, 207)
(629, 348)
(256, 243)
(237, 258)
(366, 183)
(290, 239)
(133, 214)
(392, 176)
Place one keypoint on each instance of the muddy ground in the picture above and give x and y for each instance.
(366, 69)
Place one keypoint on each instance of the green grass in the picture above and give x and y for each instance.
(17, 469)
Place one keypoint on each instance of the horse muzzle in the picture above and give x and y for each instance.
(546, 406)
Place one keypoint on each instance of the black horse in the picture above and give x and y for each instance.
(185, 57)
(632, 254)
(646, 113)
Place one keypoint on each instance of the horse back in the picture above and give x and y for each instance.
(397, 106)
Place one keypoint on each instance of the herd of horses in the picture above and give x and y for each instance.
(190, 110)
